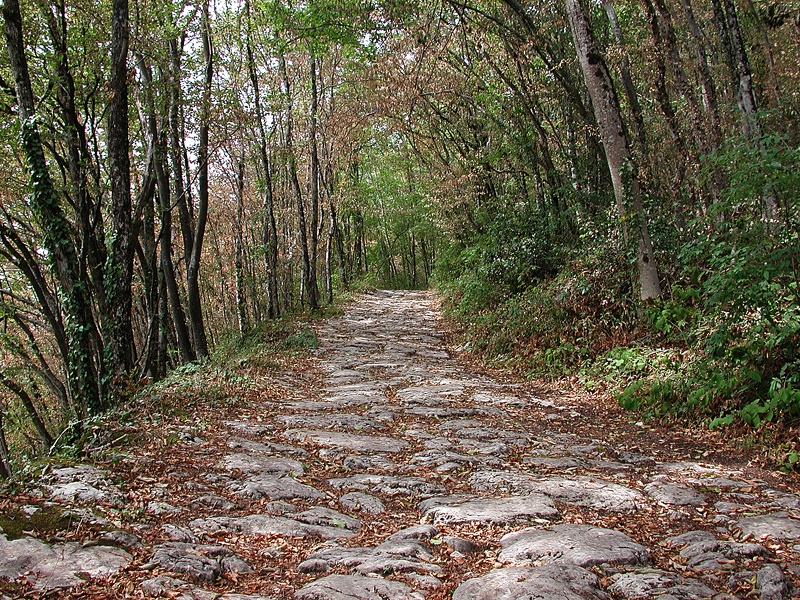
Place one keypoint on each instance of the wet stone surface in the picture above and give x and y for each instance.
(384, 469)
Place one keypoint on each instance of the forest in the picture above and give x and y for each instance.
(603, 190)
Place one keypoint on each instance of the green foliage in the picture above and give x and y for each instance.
(735, 305)
(552, 328)
(261, 346)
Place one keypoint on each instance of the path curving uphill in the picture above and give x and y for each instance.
(390, 471)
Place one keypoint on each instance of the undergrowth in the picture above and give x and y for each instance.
(720, 348)
(237, 368)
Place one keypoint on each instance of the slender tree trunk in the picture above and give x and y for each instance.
(120, 346)
(42, 367)
(270, 231)
(749, 107)
(89, 220)
(684, 85)
(313, 289)
(612, 128)
(301, 211)
(710, 101)
(665, 103)
(163, 321)
(30, 408)
(241, 300)
(193, 300)
(168, 278)
(5, 458)
(177, 153)
(149, 264)
(46, 205)
(627, 80)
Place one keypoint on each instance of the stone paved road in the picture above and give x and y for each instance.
(398, 474)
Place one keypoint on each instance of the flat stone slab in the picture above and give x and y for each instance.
(347, 441)
(550, 582)
(364, 462)
(582, 545)
(554, 462)
(581, 491)
(653, 583)
(592, 493)
(359, 501)
(674, 494)
(267, 448)
(346, 421)
(702, 551)
(203, 563)
(477, 430)
(81, 484)
(777, 526)
(254, 428)
(388, 485)
(772, 584)
(316, 522)
(255, 463)
(400, 555)
(212, 501)
(275, 487)
(165, 586)
(356, 587)
(435, 458)
(438, 412)
(58, 565)
(499, 511)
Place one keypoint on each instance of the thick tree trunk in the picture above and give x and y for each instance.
(615, 142)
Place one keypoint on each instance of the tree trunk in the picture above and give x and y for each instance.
(313, 289)
(5, 458)
(749, 107)
(57, 241)
(301, 211)
(176, 151)
(627, 80)
(193, 300)
(241, 301)
(168, 279)
(149, 263)
(710, 102)
(615, 142)
(30, 409)
(270, 230)
(120, 346)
